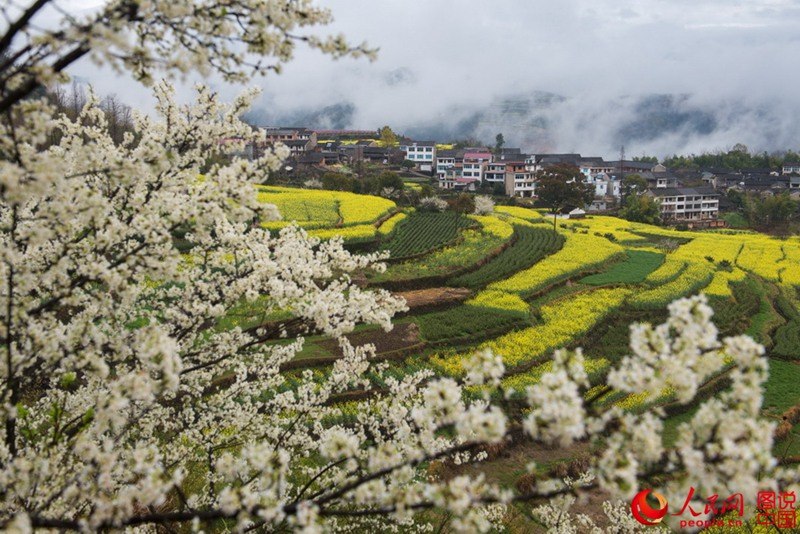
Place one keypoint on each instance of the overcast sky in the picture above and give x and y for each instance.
(439, 57)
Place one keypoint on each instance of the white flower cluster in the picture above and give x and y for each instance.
(128, 400)
(557, 414)
(484, 205)
(432, 204)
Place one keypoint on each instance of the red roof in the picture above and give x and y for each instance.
(477, 155)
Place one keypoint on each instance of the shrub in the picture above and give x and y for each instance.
(463, 203)
(432, 204)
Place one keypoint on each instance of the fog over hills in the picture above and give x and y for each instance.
(659, 76)
(653, 124)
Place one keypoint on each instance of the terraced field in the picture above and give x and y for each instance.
(528, 291)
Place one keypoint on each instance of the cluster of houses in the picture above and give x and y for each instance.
(693, 197)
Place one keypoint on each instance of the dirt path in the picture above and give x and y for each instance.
(402, 336)
(435, 296)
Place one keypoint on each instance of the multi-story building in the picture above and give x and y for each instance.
(475, 163)
(791, 167)
(299, 140)
(282, 134)
(686, 204)
(422, 153)
(495, 172)
(450, 177)
(446, 159)
(519, 181)
(605, 185)
(592, 166)
(454, 179)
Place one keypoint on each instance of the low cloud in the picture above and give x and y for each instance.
(660, 76)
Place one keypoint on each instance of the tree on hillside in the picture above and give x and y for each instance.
(499, 143)
(463, 203)
(641, 208)
(149, 388)
(633, 184)
(388, 137)
(562, 186)
(772, 212)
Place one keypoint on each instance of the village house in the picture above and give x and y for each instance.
(422, 153)
(446, 159)
(764, 184)
(495, 172)
(687, 204)
(792, 167)
(292, 135)
(591, 166)
(519, 181)
(475, 163)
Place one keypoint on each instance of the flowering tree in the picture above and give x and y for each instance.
(125, 404)
(483, 205)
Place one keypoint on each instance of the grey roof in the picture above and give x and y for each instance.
(284, 130)
(409, 142)
(683, 191)
(310, 158)
(644, 165)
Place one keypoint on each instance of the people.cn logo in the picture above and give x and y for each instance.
(646, 514)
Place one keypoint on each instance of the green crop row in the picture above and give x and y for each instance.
(635, 269)
(424, 231)
(530, 246)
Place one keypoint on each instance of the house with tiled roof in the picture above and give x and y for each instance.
(422, 153)
(791, 167)
(475, 163)
(687, 204)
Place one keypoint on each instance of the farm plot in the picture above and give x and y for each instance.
(469, 322)
(531, 245)
(635, 269)
(474, 246)
(581, 252)
(423, 232)
(311, 208)
(562, 322)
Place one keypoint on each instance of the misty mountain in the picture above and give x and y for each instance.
(538, 121)
(335, 116)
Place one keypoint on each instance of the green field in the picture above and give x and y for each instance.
(424, 232)
(633, 270)
(526, 290)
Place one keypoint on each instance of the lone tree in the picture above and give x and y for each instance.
(562, 186)
(641, 208)
(388, 137)
(633, 184)
(499, 143)
(138, 393)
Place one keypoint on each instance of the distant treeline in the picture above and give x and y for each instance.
(738, 158)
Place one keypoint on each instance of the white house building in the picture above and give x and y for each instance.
(445, 159)
(686, 203)
(791, 168)
(422, 153)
